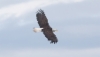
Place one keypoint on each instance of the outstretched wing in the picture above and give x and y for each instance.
(42, 20)
(47, 30)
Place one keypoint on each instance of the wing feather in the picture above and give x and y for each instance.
(42, 20)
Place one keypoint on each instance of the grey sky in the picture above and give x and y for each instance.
(4, 3)
(77, 21)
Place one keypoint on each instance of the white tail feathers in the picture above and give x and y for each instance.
(55, 30)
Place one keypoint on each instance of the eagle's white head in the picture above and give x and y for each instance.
(40, 30)
(37, 29)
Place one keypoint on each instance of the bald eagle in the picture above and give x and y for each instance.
(45, 27)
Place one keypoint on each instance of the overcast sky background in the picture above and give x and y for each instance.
(77, 21)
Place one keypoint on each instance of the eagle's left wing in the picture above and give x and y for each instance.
(42, 19)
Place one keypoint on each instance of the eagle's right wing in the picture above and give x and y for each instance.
(50, 35)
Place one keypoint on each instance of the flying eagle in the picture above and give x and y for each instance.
(45, 27)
